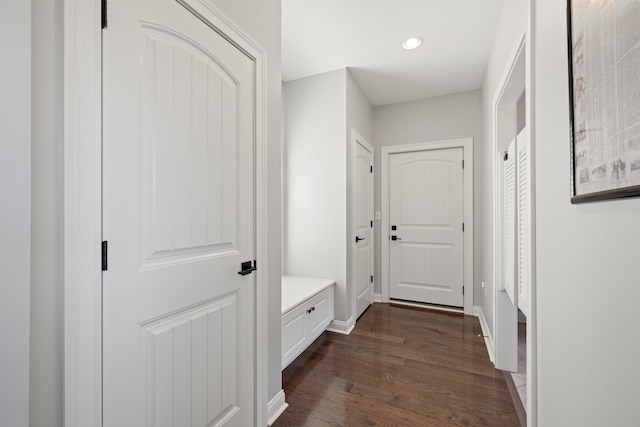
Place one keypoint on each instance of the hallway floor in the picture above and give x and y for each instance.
(400, 366)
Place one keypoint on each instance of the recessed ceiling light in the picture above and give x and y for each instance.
(412, 42)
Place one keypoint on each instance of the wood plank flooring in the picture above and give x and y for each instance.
(400, 366)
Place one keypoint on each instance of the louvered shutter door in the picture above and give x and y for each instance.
(509, 215)
(523, 145)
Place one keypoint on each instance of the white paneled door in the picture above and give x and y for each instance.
(179, 218)
(364, 225)
(426, 211)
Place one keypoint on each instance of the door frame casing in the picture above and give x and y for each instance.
(524, 45)
(356, 138)
(467, 147)
(505, 313)
(83, 207)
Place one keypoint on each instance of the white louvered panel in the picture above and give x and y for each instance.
(524, 220)
(509, 234)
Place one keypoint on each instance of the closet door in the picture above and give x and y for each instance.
(363, 225)
(179, 203)
(523, 149)
(509, 215)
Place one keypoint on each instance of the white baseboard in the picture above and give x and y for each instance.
(486, 332)
(377, 297)
(341, 327)
(276, 407)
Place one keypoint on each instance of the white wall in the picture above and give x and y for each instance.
(261, 19)
(319, 114)
(588, 280)
(509, 28)
(359, 112)
(359, 118)
(315, 173)
(445, 117)
(15, 215)
(46, 382)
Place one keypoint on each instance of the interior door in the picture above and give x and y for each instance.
(179, 218)
(524, 196)
(509, 225)
(364, 226)
(426, 213)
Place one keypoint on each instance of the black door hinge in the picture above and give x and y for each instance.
(371, 169)
(104, 14)
(371, 279)
(371, 223)
(463, 164)
(104, 256)
(463, 290)
(463, 227)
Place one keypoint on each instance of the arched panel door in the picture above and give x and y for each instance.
(179, 218)
(426, 214)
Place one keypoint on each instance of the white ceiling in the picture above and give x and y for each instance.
(366, 36)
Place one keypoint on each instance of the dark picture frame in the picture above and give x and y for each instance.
(604, 96)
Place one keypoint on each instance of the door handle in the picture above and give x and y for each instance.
(395, 238)
(359, 238)
(247, 268)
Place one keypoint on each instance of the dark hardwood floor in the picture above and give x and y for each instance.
(400, 366)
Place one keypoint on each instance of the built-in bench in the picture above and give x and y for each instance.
(307, 309)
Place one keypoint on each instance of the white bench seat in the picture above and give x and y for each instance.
(307, 309)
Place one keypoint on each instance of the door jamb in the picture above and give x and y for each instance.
(83, 208)
(467, 145)
(356, 138)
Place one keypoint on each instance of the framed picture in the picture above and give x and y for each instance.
(604, 86)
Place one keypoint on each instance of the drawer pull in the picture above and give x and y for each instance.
(311, 309)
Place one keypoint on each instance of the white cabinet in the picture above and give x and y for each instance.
(307, 309)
